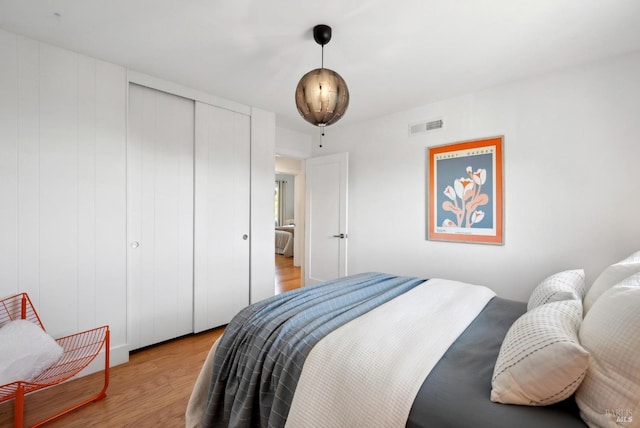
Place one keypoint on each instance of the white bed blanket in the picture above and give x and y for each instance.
(198, 398)
(368, 372)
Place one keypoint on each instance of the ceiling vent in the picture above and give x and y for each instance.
(422, 127)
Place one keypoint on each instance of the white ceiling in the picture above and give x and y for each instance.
(394, 55)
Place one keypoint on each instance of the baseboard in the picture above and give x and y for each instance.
(118, 355)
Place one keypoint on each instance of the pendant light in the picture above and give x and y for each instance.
(322, 96)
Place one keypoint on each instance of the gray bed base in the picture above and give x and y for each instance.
(456, 392)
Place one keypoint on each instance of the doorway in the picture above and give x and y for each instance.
(289, 199)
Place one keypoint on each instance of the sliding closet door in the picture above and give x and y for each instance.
(222, 170)
(160, 216)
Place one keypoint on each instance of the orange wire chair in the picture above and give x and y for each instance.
(80, 349)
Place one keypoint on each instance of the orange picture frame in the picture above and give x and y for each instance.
(465, 192)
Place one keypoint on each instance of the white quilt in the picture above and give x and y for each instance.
(368, 372)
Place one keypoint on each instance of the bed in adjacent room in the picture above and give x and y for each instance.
(383, 350)
(284, 242)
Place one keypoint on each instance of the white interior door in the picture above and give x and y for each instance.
(222, 208)
(326, 218)
(160, 216)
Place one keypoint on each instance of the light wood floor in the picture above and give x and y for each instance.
(287, 275)
(151, 390)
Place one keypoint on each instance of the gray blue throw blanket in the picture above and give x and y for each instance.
(261, 354)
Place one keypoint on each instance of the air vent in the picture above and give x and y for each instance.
(422, 127)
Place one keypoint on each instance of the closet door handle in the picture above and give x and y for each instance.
(341, 236)
(245, 236)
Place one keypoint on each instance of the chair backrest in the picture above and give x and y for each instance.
(18, 307)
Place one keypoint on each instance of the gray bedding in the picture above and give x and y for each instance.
(456, 392)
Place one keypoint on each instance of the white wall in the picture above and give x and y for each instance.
(62, 187)
(571, 153)
(293, 144)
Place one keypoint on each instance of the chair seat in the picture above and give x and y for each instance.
(80, 349)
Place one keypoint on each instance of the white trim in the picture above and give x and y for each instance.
(186, 92)
(293, 154)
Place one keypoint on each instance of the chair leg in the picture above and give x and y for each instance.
(107, 347)
(18, 406)
(102, 394)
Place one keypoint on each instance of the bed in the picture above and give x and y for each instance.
(284, 242)
(382, 350)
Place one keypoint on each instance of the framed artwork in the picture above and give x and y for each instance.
(464, 202)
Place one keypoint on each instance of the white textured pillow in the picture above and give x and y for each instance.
(541, 361)
(27, 351)
(610, 277)
(566, 285)
(610, 393)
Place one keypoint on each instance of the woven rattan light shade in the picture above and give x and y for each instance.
(322, 97)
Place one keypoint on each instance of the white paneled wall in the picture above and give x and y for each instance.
(63, 186)
(8, 164)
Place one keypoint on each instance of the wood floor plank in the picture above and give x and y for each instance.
(287, 275)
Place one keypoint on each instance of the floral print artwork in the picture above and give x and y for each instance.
(464, 183)
(465, 197)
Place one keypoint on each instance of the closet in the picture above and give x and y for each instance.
(188, 172)
(222, 207)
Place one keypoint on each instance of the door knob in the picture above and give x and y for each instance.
(135, 244)
(341, 236)
(245, 236)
